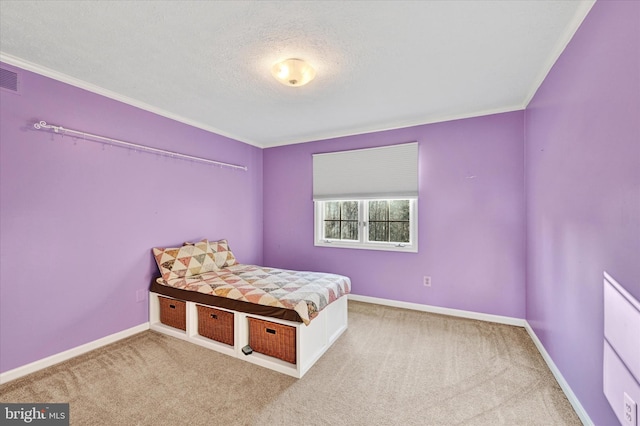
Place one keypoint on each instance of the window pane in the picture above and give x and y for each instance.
(332, 210)
(349, 210)
(389, 221)
(399, 210)
(349, 230)
(378, 231)
(399, 232)
(378, 210)
(332, 229)
(341, 220)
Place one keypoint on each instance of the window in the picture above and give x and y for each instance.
(389, 221)
(341, 220)
(367, 198)
(367, 224)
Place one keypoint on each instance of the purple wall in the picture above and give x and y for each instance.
(78, 221)
(471, 230)
(583, 194)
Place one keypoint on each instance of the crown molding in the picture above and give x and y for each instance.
(394, 126)
(64, 78)
(569, 32)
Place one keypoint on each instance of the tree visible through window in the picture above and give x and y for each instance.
(367, 198)
(341, 220)
(370, 223)
(389, 221)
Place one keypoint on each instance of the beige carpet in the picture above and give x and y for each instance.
(391, 367)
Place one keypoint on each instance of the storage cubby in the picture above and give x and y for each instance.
(307, 343)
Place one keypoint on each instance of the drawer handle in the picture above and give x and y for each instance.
(271, 331)
(214, 316)
(172, 306)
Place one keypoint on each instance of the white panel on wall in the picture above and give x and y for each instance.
(621, 361)
(622, 324)
(617, 381)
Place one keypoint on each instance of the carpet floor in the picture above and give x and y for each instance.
(391, 367)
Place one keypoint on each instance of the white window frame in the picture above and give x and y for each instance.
(363, 230)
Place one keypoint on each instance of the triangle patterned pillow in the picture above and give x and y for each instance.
(222, 254)
(185, 261)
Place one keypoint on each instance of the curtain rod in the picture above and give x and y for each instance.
(61, 130)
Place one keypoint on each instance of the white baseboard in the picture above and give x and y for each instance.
(10, 375)
(519, 322)
(573, 399)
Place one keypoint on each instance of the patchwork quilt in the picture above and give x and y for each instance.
(307, 293)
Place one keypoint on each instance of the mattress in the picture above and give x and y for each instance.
(279, 293)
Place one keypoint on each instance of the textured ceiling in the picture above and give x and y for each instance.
(380, 65)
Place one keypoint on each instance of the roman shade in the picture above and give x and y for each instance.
(386, 172)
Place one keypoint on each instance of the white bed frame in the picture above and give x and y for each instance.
(312, 340)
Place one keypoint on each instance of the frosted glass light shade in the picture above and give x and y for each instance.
(293, 72)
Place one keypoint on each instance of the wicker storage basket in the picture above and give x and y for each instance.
(273, 339)
(173, 312)
(215, 324)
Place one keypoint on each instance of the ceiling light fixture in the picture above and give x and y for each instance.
(293, 72)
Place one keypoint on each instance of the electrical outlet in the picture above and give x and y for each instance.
(141, 296)
(629, 416)
(426, 281)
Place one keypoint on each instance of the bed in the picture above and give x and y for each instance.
(288, 319)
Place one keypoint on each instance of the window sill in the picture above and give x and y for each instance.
(379, 247)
